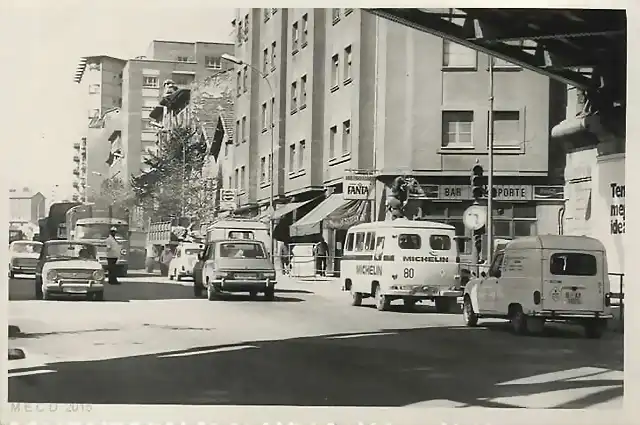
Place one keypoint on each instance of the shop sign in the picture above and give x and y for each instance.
(228, 199)
(358, 187)
(452, 192)
(513, 192)
(548, 192)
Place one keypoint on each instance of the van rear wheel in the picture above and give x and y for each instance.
(382, 302)
(594, 329)
(519, 321)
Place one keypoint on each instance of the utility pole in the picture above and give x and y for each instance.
(490, 177)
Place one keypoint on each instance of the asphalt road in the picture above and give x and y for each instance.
(152, 342)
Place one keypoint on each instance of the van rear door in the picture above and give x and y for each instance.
(573, 280)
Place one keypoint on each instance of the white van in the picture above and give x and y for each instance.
(539, 278)
(402, 259)
(238, 228)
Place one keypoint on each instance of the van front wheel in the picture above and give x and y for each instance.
(470, 317)
(356, 298)
(519, 321)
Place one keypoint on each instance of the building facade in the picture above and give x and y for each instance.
(79, 182)
(345, 91)
(25, 207)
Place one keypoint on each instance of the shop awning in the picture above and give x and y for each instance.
(338, 213)
(282, 210)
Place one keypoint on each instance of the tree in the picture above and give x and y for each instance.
(175, 180)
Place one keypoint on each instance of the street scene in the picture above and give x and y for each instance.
(304, 212)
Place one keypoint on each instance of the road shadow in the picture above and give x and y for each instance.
(388, 368)
(293, 291)
(233, 297)
(417, 309)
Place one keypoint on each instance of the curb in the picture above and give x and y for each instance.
(16, 354)
(14, 331)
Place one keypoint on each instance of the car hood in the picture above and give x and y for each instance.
(24, 255)
(254, 264)
(72, 264)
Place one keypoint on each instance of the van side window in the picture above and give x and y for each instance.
(348, 246)
(409, 241)
(369, 244)
(573, 264)
(379, 248)
(211, 252)
(440, 242)
(359, 241)
(496, 265)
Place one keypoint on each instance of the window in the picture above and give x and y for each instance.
(240, 32)
(458, 56)
(359, 245)
(440, 242)
(506, 128)
(263, 169)
(346, 137)
(273, 108)
(265, 60)
(270, 167)
(292, 157)
(94, 88)
(347, 64)
(226, 150)
(294, 38)
(409, 241)
(267, 13)
(237, 179)
(335, 15)
(301, 155)
(294, 97)
(524, 228)
(183, 59)
(522, 44)
(245, 74)
(573, 264)
(183, 79)
(305, 30)
(303, 91)
(496, 265)
(369, 243)
(333, 132)
(263, 117)
(150, 82)
(457, 128)
(242, 178)
(335, 64)
(379, 249)
(243, 130)
(213, 62)
(239, 83)
(348, 245)
(273, 55)
(94, 66)
(238, 135)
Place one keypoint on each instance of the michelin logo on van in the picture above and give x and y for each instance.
(369, 269)
(431, 258)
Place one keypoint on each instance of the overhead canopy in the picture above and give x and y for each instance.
(337, 212)
(282, 210)
(585, 48)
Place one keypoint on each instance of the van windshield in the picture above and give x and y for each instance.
(573, 264)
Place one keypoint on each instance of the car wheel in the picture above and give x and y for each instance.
(382, 301)
(253, 294)
(178, 277)
(212, 294)
(46, 295)
(519, 321)
(269, 294)
(170, 276)
(39, 294)
(356, 298)
(468, 315)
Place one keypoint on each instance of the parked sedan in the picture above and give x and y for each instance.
(23, 257)
(68, 268)
(238, 266)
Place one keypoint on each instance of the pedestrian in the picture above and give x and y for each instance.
(113, 254)
(284, 258)
(165, 259)
(321, 249)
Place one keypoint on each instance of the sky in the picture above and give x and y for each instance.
(47, 39)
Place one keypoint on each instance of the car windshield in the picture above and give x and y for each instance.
(192, 251)
(27, 248)
(241, 250)
(70, 251)
(100, 231)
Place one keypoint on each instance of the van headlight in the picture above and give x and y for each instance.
(52, 275)
(123, 251)
(98, 275)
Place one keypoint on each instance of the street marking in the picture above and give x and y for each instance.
(30, 372)
(360, 335)
(213, 350)
(557, 376)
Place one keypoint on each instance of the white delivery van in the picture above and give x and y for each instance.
(402, 259)
(238, 228)
(544, 278)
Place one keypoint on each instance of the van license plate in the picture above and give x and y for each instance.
(573, 297)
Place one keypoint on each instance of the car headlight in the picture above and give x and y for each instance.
(123, 251)
(98, 275)
(52, 275)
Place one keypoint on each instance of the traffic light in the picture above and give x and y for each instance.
(478, 182)
(397, 198)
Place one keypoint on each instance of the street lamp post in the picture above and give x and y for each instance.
(490, 177)
(239, 61)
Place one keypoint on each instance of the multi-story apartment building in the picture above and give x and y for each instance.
(80, 170)
(350, 91)
(25, 207)
(143, 77)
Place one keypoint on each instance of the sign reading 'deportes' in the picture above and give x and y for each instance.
(358, 187)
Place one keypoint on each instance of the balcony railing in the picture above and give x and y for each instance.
(76, 145)
(76, 158)
(76, 171)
